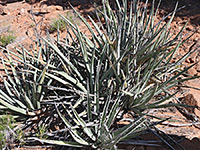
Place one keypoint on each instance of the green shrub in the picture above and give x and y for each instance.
(7, 39)
(9, 132)
(5, 120)
(57, 24)
(60, 24)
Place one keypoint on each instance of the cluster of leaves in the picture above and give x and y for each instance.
(125, 66)
(22, 93)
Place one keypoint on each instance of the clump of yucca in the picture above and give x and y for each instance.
(124, 66)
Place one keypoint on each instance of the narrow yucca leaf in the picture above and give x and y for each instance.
(83, 125)
(164, 105)
(12, 107)
(184, 57)
(149, 42)
(105, 113)
(132, 125)
(102, 123)
(172, 17)
(146, 100)
(89, 27)
(97, 89)
(79, 101)
(22, 49)
(39, 61)
(7, 72)
(172, 79)
(62, 143)
(34, 90)
(147, 74)
(112, 70)
(92, 68)
(89, 112)
(98, 30)
(73, 132)
(16, 54)
(118, 6)
(181, 32)
(11, 98)
(174, 84)
(172, 53)
(111, 43)
(126, 130)
(71, 115)
(67, 77)
(84, 51)
(158, 102)
(74, 29)
(19, 85)
(130, 19)
(6, 97)
(39, 53)
(41, 80)
(15, 86)
(186, 79)
(112, 17)
(135, 131)
(113, 112)
(147, 23)
(155, 15)
(2, 107)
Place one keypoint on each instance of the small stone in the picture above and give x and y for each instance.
(22, 11)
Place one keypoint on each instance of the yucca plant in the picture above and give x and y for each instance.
(125, 66)
(22, 91)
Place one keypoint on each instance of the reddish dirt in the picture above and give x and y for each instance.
(15, 16)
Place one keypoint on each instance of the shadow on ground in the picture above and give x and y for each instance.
(150, 141)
